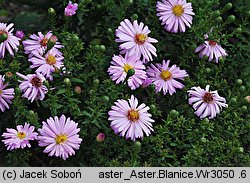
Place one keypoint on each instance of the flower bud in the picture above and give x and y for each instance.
(242, 88)
(203, 139)
(247, 98)
(241, 149)
(91, 92)
(230, 19)
(218, 19)
(100, 137)
(51, 43)
(17, 90)
(99, 6)
(173, 113)
(52, 11)
(96, 81)
(130, 1)
(20, 34)
(9, 74)
(227, 7)
(208, 70)
(67, 82)
(78, 90)
(3, 36)
(102, 48)
(238, 30)
(97, 47)
(130, 72)
(137, 146)
(233, 100)
(110, 30)
(134, 17)
(244, 108)
(105, 98)
(239, 81)
(215, 14)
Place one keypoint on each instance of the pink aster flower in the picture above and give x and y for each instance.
(121, 66)
(212, 50)
(175, 14)
(128, 118)
(32, 86)
(7, 39)
(165, 77)
(6, 95)
(60, 137)
(47, 64)
(135, 40)
(206, 103)
(20, 34)
(15, 139)
(39, 43)
(70, 10)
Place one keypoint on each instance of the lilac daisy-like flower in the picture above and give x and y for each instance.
(48, 64)
(121, 67)
(165, 77)
(135, 40)
(206, 103)
(6, 95)
(175, 14)
(60, 137)
(70, 10)
(8, 41)
(212, 50)
(127, 118)
(41, 43)
(32, 86)
(15, 139)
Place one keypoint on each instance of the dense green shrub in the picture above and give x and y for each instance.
(180, 138)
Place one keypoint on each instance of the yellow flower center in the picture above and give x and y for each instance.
(208, 97)
(61, 139)
(166, 75)
(140, 38)
(178, 10)
(51, 60)
(44, 42)
(1, 92)
(133, 115)
(21, 135)
(126, 67)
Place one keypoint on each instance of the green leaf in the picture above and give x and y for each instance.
(76, 80)
(61, 91)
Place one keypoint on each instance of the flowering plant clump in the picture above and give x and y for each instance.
(125, 83)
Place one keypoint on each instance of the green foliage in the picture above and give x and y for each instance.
(179, 138)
